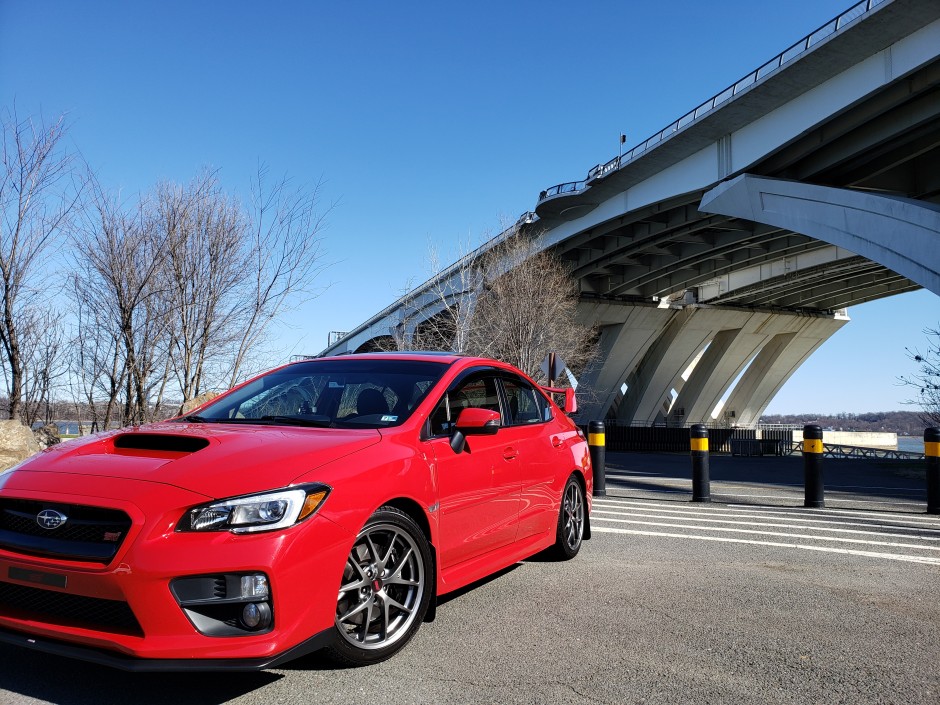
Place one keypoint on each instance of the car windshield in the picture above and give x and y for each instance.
(372, 393)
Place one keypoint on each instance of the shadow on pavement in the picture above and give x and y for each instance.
(55, 679)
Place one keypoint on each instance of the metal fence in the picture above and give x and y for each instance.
(737, 441)
(625, 437)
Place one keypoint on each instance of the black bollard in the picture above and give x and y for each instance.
(932, 455)
(597, 442)
(814, 490)
(701, 484)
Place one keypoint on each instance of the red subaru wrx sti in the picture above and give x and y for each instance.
(325, 504)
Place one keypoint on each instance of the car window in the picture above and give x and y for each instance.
(361, 399)
(374, 393)
(526, 405)
(477, 392)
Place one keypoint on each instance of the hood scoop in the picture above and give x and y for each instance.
(157, 445)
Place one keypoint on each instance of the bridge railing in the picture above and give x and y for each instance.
(832, 450)
(834, 25)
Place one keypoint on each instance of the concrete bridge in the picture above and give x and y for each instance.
(718, 254)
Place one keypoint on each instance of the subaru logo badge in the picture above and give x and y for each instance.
(51, 519)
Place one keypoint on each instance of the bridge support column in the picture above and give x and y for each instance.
(774, 365)
(705, 383)
(621, 344)
(661, 369)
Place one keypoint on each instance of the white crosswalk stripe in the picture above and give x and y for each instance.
(876, 535)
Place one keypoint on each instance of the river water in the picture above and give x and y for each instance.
(911, 444)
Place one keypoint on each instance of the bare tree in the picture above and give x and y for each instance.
(528, 307)
(284, 260)
(510, 300)
(926, 381)
(43, 352)
(437, 315)
(96, 364)
(205, 271)
(232, 271)
(181, 288)
(119, 269)
(37, 198)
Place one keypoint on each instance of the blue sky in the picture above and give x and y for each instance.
(427, 122)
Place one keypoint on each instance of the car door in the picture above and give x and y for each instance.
(529, 431)
(479, 487)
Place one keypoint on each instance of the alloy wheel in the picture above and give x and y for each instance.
(573, 512)
(383, 585)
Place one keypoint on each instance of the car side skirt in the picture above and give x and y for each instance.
(463, 574)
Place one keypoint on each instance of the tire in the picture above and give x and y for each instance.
(569, 534)
(384, 592)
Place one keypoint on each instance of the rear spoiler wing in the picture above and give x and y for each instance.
(571, 403)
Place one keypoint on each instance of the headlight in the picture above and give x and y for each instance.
(258, 512)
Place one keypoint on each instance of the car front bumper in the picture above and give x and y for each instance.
(303, 565)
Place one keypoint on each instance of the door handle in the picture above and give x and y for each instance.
(557, 441)
(510, 453)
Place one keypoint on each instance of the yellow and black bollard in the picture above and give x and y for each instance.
(701, 484)
(814, 490)
(597, 442)
(932, 454)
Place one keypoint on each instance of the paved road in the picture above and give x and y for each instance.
(733, 602)
(867, 534)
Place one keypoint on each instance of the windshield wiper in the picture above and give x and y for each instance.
(195, 418)
(299, 421)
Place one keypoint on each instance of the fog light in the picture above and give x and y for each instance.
(254, 586)
(256, 615)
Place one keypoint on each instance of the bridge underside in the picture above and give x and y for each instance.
(693, 363)
(686, 362)
(900, 233)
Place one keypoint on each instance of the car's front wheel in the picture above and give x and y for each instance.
(385, 589)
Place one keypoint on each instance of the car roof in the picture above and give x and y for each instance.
(417, 356)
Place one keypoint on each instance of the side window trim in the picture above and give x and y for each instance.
(522, 384)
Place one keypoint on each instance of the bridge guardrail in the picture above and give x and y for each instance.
(832, 450)
(831, 27)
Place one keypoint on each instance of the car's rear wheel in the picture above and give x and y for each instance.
(385, 589)
(570, 531)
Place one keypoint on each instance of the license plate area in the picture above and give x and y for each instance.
(37, 577)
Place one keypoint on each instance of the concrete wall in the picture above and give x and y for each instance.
(861, 439)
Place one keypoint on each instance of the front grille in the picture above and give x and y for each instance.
(92, 534)
(70, 610)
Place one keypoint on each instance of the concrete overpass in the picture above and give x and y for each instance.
(719, 253)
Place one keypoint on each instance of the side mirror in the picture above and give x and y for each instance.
(474, 422)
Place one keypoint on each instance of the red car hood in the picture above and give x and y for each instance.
(215, 460)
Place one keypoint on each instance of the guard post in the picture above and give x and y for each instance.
(701, 484)
(814, 490)
(932, 455)
(597, 442)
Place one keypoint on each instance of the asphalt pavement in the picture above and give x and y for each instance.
(748, 599)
